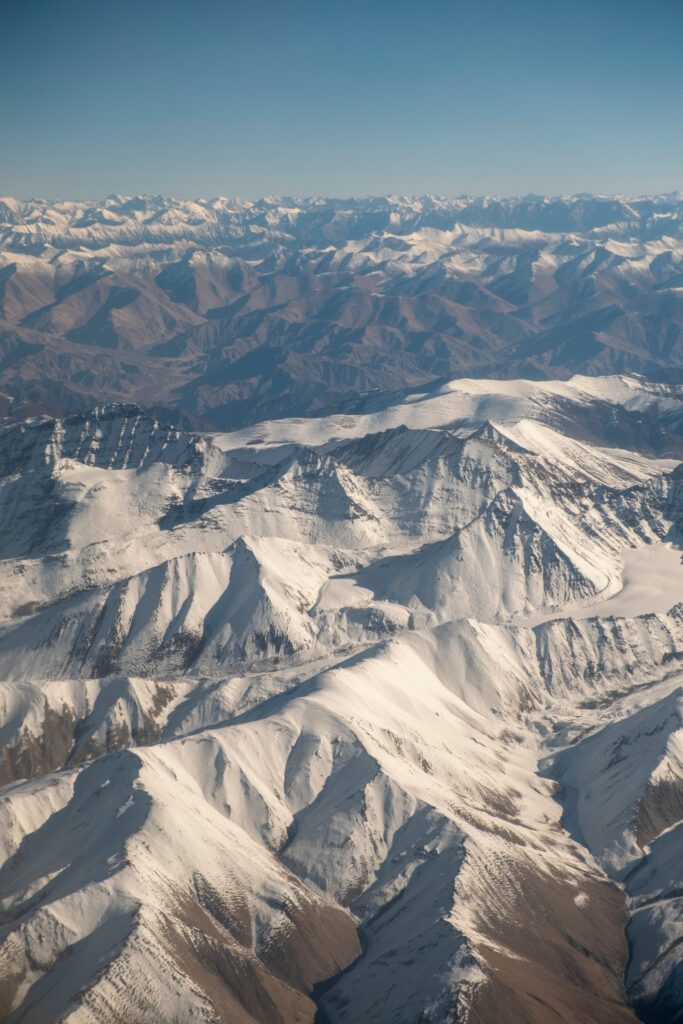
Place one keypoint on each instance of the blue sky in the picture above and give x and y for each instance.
(339, 97)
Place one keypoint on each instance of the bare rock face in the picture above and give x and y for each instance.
(573, 973)
(223, 312)
(367, 717)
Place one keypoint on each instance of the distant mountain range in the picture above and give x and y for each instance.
(220, 313)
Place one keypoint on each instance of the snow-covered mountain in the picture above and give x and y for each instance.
(222, 312)
(369, 717)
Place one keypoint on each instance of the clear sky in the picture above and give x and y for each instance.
(340, 97)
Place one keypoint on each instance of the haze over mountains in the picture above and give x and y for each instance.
(223, 312)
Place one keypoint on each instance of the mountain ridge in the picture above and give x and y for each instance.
(246, 775)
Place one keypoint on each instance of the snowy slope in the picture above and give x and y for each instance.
(375, 716)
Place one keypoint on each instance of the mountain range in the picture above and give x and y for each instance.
(370, 716)
(218, 313)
